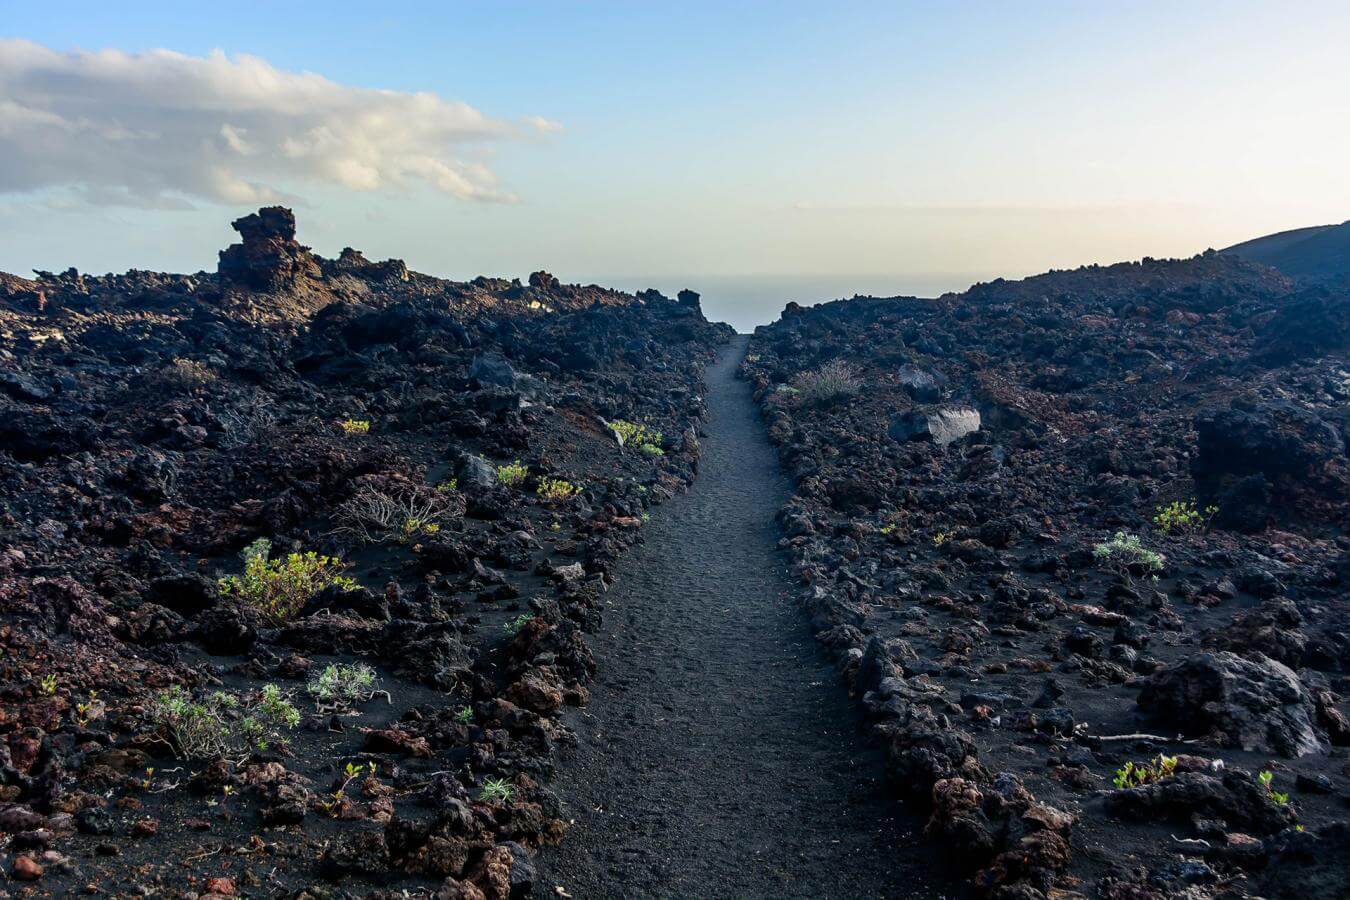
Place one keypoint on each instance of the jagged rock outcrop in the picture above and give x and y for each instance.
(268, 258)
(354, 263)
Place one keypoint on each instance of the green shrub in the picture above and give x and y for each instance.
(355, 426)
(341, 686)
(279, 588)
(511, 474)
(634, 434)
(1125, 553)
(556, 490)
(517, 623)
(1183, 517)
(1131, 775)
(414, 528)
(219, 724)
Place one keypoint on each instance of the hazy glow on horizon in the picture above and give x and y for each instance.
(775, 138)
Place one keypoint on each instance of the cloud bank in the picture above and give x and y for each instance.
(161, 130)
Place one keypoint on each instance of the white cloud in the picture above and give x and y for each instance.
(539, 123)
(161, 129)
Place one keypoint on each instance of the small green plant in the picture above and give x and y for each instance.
(271, 711)
(47, 686)
(85, 708)
(496, 790)
(342, 686)
(645, 517)
(1125, 553)
(1133, 775)
(355, 426)
(1183, 517)
(517, 623)
(1267, 779)
(511, 474)
(556, 490)
(414, 528)
(218, 724)
(465, 715)
(635, 434)
(278, 588)
(448, 486)
(350, 772)
(943, 537)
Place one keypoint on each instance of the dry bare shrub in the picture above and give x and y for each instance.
(832, 381)
(374, 514)
(186, 373)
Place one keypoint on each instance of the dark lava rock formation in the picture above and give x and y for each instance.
(1080, 545)
(446, 444)
(269, 258)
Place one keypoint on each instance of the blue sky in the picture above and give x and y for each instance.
(734, 139)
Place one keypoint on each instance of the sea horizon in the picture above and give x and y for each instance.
(745, 301)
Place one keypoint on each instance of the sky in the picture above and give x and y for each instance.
(850, 146)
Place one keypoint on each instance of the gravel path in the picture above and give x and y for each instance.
(720, 756)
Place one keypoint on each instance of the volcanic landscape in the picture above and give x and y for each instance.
(322, 578)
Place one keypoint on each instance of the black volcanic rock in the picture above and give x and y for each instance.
(1071, 541)
(152, 426)
(1250, 703)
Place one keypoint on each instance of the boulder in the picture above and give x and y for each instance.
(491, 370)
(226, 630)
(1254, 704)
(23, 387)
(1233, 797)
(941, 426)
(922, 386)
(474, 471)
(543, 281)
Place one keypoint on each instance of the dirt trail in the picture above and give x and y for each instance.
(720, 756)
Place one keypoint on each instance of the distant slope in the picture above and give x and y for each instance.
(1318, 252)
